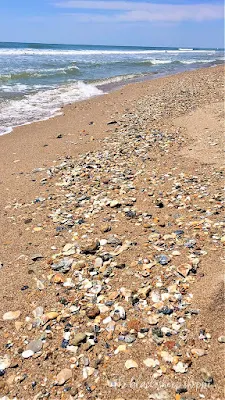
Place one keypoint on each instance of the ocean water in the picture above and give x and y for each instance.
(36, 80)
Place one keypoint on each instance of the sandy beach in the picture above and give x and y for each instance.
(111, 252)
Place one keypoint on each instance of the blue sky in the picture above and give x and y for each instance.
(182, 23)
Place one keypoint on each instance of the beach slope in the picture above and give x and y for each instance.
(112, 238)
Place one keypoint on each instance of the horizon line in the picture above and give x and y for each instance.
(114, 45)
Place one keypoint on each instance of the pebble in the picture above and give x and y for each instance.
(11, 315)
(35, 346)
(206, 376)
(198, 352)
(180, 367)
(153, 319)
(27, 353)
(130, 338)
(221, 339)
(93, 312)
(163, 259)
(38, 312)
(118, 313)
(151, 363)
(131, 364)
(63, 376)
(184, 269)
(90, 248)
(98, 262)
(63, 266)
(5, 362)
(79, 338)
(115, 203)
(50, 316)
(36, 257)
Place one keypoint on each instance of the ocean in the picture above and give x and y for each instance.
(36, 80)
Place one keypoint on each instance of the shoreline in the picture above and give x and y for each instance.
(140, 170)
(112, 86)
(36, 145)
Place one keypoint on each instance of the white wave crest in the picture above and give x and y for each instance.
(42, 105)
(116, 79)
(46, 52)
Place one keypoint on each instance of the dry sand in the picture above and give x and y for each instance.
(189, 109)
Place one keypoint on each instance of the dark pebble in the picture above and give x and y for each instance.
(166, 310)
(25, 287)
(64, 343)
(181, 390)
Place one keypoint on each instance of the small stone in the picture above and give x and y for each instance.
(167, 357)
(18, 325)
(198, 352)
(130, 364)
(11, 315)
(63, 376)
(130, 338)
(79, 338)
(98, 262)
(103, 242)
(35, 346)
(38, 312)
(163, 259)
(144, 292)
(27, 353)
(190, 243)
(114, 241)
(180, 367)
(184, 269)
(159, 204)
(221, 339)
(115, 204)
(105, 228)
(120, 348)
(69, 249)
(176, 253)
(50, 316)
(90, 248)
(28, 220)
(40, 284)
(63, 265)
(181, 389)
(157, 332)
(58, 278)
(111, 122)
(151, 363)
(88, 371)
(166, 310)
(153, 319)
(69, 283)
(118, 313)
(5, 362)
(134, 324)
(36, 257)
(92, 312)
(206, 376)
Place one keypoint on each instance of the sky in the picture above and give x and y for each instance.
(178, 23)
